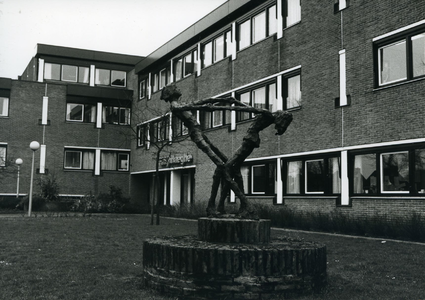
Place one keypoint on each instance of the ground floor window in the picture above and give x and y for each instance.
(315, 175)
(79, 159)
(85, 159)
(389, 171)
(259, 178)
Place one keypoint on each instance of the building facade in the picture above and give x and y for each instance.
(350, 72)
(77, 104)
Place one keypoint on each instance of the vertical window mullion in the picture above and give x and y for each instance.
(409, 58)
(412, 170)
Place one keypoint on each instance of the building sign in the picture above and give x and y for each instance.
(179, 159)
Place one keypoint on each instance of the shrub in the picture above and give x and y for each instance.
(9, 202)
(112, 202)
(37, 203)
(49, 187)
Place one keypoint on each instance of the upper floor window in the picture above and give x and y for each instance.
(401, 60)
(179, 129)
(110, 78)
(160, 79)
(114, 161)
(142, 89)
(264, 97)
(116, 115)
(4, 107)
(293, 12)
(81, 112)
(66, 73)
(257, 28)
(79, 159)
(2, 156)
(292, 91)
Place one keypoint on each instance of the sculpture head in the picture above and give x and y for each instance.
(170, 93)
(282, 121)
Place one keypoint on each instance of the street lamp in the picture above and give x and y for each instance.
(34, 147)
(18, 162)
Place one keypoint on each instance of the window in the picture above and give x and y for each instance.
(163, 80)
(402, 59)
(142, 89)
(217, 49)
(81, 112)
(178, 69)
(383, 172)
(4, 107)
(259, 179)
(159, 129)
(189, 63)
(142, 135)
(258, 27)
(118, 78)
(69, 73)
(83, 75)
(2, 156)
(123, 160)
(116, 115)
(114, 161)
(292, 91)
(293, 12)
(79, 159)
(179, 129)
(319, 175)
(264, 97)
(207, 55)
(102, 77)
(52, 71)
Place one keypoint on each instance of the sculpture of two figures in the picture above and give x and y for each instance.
(228, 170)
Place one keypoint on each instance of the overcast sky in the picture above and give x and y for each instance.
(136, 27)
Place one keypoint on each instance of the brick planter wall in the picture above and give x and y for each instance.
(195, 269)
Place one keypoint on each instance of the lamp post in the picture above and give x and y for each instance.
(18, 162)
(34, 147)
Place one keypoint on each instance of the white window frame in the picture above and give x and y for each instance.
(142, 89)
(381, 175)
(76, 73)
(380, 83)
(68, 111)
(128, 162)
(252, 179)
(306, 177)
(5, 107)
(81, 160)
(111, 79)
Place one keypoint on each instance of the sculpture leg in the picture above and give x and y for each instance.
(211, 211)
(223, 195)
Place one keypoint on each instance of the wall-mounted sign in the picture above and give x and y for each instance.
(175, 159)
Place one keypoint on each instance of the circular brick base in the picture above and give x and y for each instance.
(185, 266)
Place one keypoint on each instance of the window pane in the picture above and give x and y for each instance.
(163, 78)
(123, 162)
(74, 112)
(244, 34)
(314, 176)
(142, 89)
(272, 20)
(219, 48)
(124, 117)
(2, 156)
(293, 177)
(334, 174)
(178, 69)
(244, 98)
(420, 171)
(88, 160)
(207, 55)
(155, 79)
(418, 49)
(259, 179)
(83, 75)
(73, 159)
(259, 27)
(395, 172)
(272, 97)
(89, 113)
(392, 60)
(218, 117)
(206, 119)
(195, 61)
(4, 107)
(102, 77)
(52, 71)
(108, 161)
(294, 12)
(188, 65)
(118, 78)
(110, 114)
(364, 177)
(69, 73)
(259, 98)
(293, 92)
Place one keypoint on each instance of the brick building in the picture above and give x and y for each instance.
(76, 103)
(350, 72)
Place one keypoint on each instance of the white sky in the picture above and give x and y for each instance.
(136, 27)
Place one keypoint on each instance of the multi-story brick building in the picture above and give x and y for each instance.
(350, 72)
(76, 103)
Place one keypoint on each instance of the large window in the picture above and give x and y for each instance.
(110, 78)
(383, 172)
(317, 175)
(80, 112)
(263, 97)
(160, 79)
(4, 107)
(114, 161)
(257, 28)
(293, 12)
(66, 73)
(2, 156)
(401, 59)
(179, 129)
(79, 159)
(216, 49)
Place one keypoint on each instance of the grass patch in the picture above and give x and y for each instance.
(101, 258)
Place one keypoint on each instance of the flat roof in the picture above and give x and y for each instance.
(59, 51)
(217, 15)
